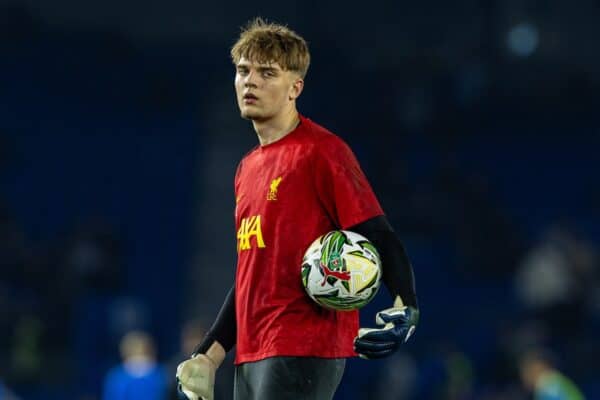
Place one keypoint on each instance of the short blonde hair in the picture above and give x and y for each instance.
(266, 42)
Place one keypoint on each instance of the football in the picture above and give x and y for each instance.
(341, 270)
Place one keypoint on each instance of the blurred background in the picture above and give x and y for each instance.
(476, 121)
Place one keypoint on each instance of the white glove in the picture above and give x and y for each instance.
(196, 378)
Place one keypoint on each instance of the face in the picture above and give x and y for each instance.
(265, 91)
(530, 372)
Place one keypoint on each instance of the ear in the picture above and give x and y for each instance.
(296, 89)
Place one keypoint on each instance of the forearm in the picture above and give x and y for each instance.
(398, 274)
(221, 337)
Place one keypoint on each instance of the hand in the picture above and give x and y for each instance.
(196, 378)
(399, 322)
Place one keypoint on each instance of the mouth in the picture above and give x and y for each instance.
(250, 98)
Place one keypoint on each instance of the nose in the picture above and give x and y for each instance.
(250, 79)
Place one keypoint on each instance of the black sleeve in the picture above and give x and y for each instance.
(224, 329)
(397, 271)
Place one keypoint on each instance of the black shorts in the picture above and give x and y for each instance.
(288, 378)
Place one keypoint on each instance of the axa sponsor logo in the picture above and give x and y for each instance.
(250, 228)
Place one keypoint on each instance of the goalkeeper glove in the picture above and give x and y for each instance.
(196, 378)
(399, 322)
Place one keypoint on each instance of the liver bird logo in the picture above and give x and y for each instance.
(272, 195)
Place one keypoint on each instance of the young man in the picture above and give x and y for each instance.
(299, 183)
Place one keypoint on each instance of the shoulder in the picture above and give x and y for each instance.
(116, 373)
(322, 139)
(249, 154)
(159, 374)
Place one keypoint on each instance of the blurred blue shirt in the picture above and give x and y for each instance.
(136, 380)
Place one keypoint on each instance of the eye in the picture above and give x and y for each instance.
(242, 71)
(269, 73)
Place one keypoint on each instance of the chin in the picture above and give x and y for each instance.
(251, 115)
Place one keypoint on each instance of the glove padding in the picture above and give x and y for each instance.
(196, 378)
(399, 323)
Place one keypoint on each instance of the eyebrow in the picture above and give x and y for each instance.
(267, 69)
(260, 68)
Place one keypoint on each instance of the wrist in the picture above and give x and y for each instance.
(216, 354)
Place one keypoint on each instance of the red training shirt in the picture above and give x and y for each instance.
(288, 193)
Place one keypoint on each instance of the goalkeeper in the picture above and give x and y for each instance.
(300, 182)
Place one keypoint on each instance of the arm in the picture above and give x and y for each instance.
(399, 321)
(223, 331)
(196, 376)
(338, 179)
(398, 274)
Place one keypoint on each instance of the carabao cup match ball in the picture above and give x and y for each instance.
(341, 270)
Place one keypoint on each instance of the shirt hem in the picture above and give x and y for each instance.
(246, 358)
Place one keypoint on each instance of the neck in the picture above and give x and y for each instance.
(273, 129)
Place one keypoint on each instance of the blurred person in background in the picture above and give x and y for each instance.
(139, 376)
(555, 281)
(299, 183)
(540, 376)
(460, 376)
(6, 394)
(91, 289)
